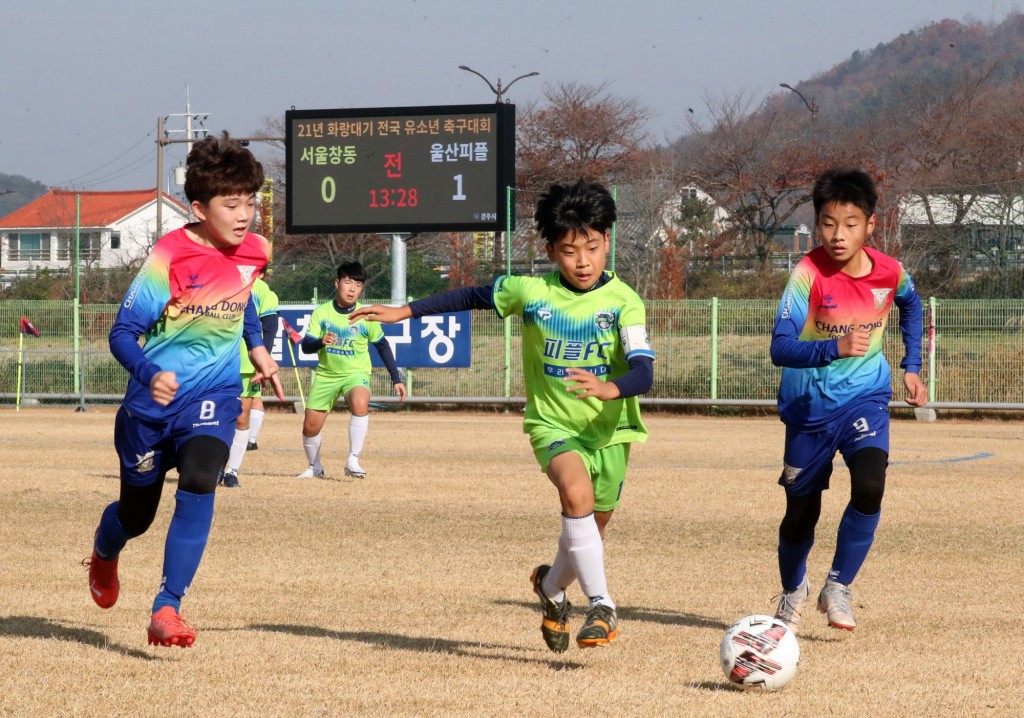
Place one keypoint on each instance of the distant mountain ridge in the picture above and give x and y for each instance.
(879, 81)
(17, 191)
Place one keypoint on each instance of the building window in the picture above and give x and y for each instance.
(88, 246)
(115, 240)
(25, 246)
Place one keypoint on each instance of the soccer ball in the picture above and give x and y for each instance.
(759, 653)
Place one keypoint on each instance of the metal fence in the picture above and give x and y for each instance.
(709, 352)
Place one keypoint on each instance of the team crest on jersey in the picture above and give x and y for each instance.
(789, 473)
(544, 314)
(144, 462)
(880, 296)
(353, 329)
(246, 271)
(604, 320)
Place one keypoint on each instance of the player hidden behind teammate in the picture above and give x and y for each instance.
(251, 418)
(586, 359)
(344, 369)
(191, 302)
(836, 386)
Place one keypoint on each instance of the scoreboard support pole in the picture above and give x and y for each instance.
(399, 269)
(399, 291)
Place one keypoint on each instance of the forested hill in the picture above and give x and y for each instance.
(880, 81)
(17, 191)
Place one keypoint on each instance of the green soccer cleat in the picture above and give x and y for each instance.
(600, 628)
(554, 626)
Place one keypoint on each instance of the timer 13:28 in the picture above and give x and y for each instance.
(394, 197)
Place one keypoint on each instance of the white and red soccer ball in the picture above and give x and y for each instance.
(759, 653)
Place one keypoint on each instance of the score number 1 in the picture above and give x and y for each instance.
(459, 194)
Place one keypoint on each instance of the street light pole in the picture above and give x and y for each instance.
(811, 106)
(498, 91)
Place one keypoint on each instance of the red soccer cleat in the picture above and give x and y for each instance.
(103, 584)
(168, 628)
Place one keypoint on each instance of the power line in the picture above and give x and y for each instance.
(86, 176)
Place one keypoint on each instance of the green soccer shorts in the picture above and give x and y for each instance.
(607, 466)
(326, 389)
(249, 389)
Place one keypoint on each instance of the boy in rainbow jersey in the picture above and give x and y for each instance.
(190, 301)
(836, 386)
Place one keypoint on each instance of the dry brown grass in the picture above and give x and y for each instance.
(407, 594)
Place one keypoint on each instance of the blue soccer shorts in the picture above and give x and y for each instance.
(148, 449)
(807, 461)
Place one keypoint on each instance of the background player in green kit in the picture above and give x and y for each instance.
(344, 369)
(586, 359)
(251, 418)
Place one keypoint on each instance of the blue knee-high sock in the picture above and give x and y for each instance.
(186, 540)
(856, 534)
(110, 536)
(793, 562)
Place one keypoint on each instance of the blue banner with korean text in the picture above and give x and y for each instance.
(442, 340)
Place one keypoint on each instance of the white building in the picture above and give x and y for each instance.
(114, 229)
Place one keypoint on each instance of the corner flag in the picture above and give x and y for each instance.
(28, 328)
(293, 335)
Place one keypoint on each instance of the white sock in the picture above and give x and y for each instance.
(562, 574)
(255, 423)
(311, 445)
(237, 449)
(586, 554)
(357, 427)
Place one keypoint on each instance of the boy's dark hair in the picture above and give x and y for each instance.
(845, 185)
(220, 166)
(353, 270)
(576, 208)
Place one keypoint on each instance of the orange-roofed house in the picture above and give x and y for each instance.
(114, 229)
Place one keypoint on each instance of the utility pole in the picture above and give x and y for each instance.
(163, 139)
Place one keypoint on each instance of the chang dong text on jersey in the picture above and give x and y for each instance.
(821, 304)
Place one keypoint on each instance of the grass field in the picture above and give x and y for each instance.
(407, 593)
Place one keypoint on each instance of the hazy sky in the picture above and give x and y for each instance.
(82, 83)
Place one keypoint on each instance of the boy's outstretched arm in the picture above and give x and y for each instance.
(381, 313)
(454, 300)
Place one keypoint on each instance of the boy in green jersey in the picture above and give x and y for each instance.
(344, 369)
(586, 359)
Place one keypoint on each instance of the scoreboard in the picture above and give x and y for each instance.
(400, 169)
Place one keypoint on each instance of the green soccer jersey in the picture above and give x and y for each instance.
(598, 331)
(351, 354)
(266, 303)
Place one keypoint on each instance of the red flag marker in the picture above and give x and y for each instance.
(293, 335)
(28, 327)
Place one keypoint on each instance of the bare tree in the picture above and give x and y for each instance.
(579, 131)
(759, 164)
(962, 177)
